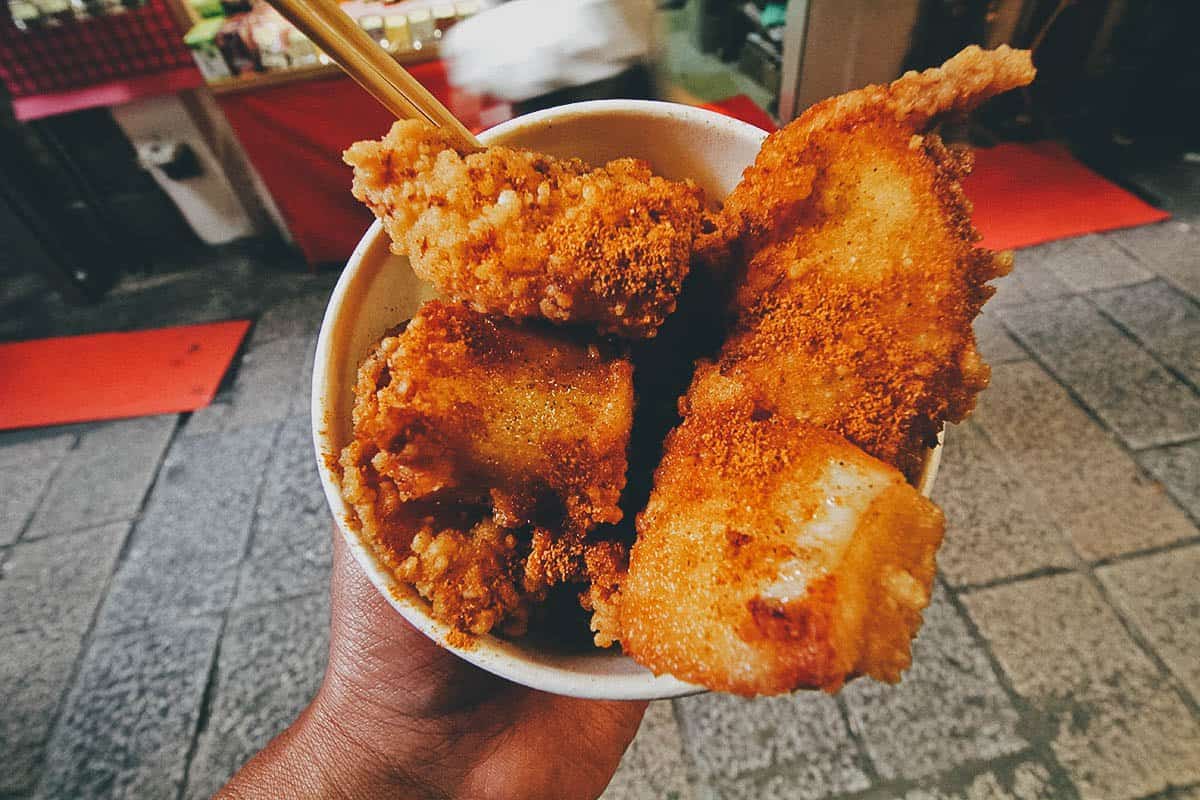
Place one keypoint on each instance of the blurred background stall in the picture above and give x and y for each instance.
(174, 214)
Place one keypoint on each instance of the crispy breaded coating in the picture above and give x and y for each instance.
(774, 190)
(859, 278)
(472, 578)
(469, 433)
(774, 555)
(529, 422)
(521, 234)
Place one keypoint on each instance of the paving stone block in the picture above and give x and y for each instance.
(1089, 262)
(1028, 780)
(49, 590)
(798, 743)
(1142, 402)
(27, 461)
(35, 673)
(291, 547)
(996, 525)
(1170, 249)
(22, 766)
(128, 722)
(653, 767)
(1161, 595)
(949, 708)
(294, 317)
(994, 342)
(20, 448)
(271, 662)
(106, 477)
(1163, 318)
(54, 585)
(209, 419)
(1179, 469)
(1029, 281)
(269, 380)
(184, 552)
(1095, 492)
(1114, 724)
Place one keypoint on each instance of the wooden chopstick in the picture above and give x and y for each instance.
(371, 66)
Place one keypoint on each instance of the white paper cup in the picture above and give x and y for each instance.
(377, 290)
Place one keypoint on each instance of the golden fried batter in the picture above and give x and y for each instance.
(859, 275)
(528, 421)
(778, 187)
(468, 431)
(525, 235)
(774, 555)
(471, 578)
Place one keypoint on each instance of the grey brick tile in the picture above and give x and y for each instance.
(1028, 780)
(1095, 492)
(994, 342)
(1114, 725)
(106, 477)
(49, 590)
(22, 765)
(1029, 281)
(1178, 468)
(1088, 262)
(1164, 319)
(184, 552)
(35, 671)
(27, 461)
(269, 381)
(1170, 249)
(271, 662)
(128, 722)
(653, 767)
(291, 546)
(210, 418)
(949, 708)
(54, 585)
(20, 448)
(996, 525)
(295, 317)
(1161, 594)
(1142, 402)
(799, 744)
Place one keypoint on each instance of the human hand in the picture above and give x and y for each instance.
(398, 716)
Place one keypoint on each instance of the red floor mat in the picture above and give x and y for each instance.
(1026, 194)
(113, 375)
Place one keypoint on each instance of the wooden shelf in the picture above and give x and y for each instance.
(253, 81)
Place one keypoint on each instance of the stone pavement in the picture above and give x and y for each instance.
(163, 580)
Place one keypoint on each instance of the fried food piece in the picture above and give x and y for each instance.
(472, 578)
(859, 275)
(776, 192)
(774, 555)
(529, 422)
(524, 235)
